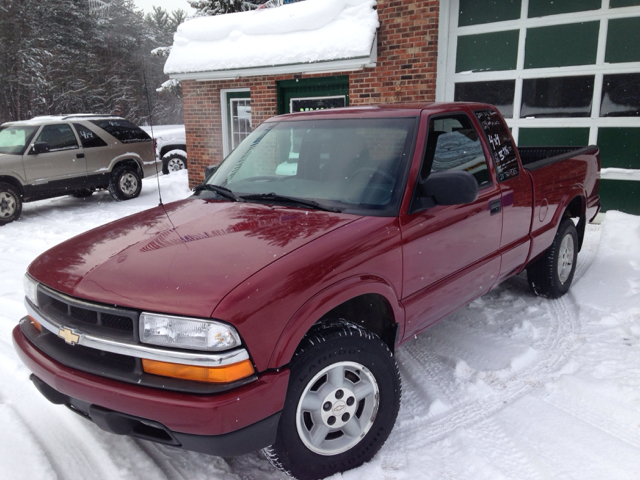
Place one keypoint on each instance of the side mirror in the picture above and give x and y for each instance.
(210, 170)
(39, 147)
(450, 187)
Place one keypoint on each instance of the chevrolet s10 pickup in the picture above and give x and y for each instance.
(264, 310)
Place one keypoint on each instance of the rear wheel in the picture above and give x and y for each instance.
(125, 183)
(10, 204)
(342, 402)
(551, 275)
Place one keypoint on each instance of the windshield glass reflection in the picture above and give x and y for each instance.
(353, 165)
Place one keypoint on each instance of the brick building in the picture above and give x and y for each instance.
(562, 72)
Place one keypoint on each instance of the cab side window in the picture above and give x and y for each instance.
(58, 137)
(454, 144)
(88, 138)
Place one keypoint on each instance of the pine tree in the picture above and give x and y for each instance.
(221, 7)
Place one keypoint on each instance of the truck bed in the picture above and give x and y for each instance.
(537, 157)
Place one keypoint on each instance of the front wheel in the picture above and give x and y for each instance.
(551, 275)
(125, 183)
(343, 400)
(10, 204)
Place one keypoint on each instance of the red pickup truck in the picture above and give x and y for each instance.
(264, 310)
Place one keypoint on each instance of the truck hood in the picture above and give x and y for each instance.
(182, 258)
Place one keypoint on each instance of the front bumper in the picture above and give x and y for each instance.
(250, 411)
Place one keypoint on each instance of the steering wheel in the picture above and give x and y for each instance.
(374, 171)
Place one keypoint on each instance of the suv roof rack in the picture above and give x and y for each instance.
(89, 115)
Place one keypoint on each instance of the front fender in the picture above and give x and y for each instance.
(325, 301)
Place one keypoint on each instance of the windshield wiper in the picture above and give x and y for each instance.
(222, 191)
(293, 200)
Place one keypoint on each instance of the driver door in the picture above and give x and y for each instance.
(451, 252)
(63, 165)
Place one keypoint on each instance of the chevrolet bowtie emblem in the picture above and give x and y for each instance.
(68, 336)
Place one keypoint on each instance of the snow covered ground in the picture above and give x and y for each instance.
(510, 387)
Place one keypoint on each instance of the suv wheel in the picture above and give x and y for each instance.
(173, 163)
(125, 183)
(10, 204)
(342, 402)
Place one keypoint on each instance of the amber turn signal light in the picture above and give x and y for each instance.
(35, 323)
(226, 374)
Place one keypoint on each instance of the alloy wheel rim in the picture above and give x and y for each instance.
(565, 261)
(337, 408)
(8, 205)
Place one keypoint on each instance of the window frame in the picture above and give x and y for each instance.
(447, 78)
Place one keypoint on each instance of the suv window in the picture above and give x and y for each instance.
(454, 144)
(88, 138)
(123, 130)
(58, 137)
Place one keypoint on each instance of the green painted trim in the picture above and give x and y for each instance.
(620, 195)
(473, 12)
(553, 137)
(623, 38)
(487, 51)
(562, 45)
(311, 87)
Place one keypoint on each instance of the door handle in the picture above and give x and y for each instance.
(79, 155)
(495, 206)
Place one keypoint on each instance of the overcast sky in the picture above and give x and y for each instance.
(169, 5)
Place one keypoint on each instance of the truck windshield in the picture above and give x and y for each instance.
(15, 139)
(352, 165)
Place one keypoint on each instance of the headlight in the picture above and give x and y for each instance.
(30, 288)
(190, 333)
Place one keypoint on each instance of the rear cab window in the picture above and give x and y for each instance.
(123, 130)
(500, 144)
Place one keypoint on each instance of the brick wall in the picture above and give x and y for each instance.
(405, 72)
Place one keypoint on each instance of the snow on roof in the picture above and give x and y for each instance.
(306, 32)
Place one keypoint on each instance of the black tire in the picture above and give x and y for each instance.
(173, 163)
(343, 354)
(85, 192)
(551, 275)
(125, 183)
(10, 204)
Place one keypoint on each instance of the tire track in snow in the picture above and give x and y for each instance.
(478, 394)
(602, 411)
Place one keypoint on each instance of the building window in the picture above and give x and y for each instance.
(473, 12)
(487, 51)
(498, 93)
(542, 8)
(620, 95)
(240, 113)
(236, 118)
(623, 40)
(562, 45)
(557, 97)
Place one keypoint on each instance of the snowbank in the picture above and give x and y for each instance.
(304, 32)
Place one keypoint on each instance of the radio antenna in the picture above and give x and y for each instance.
(146, 90)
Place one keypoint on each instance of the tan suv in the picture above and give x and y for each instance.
(71, 155)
